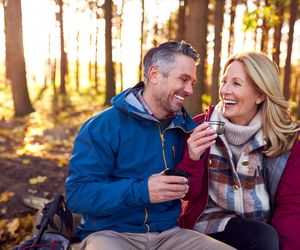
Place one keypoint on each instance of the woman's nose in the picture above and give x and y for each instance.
(225, 88)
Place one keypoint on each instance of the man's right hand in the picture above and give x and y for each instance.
(166, 188)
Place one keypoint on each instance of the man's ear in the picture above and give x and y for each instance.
(260, 99)
(153, 73)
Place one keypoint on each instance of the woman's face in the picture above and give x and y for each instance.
(239, 97)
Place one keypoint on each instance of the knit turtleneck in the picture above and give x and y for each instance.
(239, 134)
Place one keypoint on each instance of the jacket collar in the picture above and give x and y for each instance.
(128, 102)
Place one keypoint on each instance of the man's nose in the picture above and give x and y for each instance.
(189, 89)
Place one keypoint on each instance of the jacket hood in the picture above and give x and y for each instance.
(127, 101)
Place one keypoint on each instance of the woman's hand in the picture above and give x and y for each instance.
(200, 139)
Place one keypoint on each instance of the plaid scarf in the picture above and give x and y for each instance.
(236, 187)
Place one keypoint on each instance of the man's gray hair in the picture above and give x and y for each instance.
(165, 54)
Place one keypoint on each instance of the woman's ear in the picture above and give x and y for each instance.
(260, 99)
(153, 73)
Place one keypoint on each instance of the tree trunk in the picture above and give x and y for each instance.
(287, 74)
(121, 45)
(231, 27)
(218, 21)
(264, 33)
(77, 66)
(96, 61)
(181, 20)
(142, 41)
(15, 61)
(109, 67)
(90, 60)
(277, 33)
(155, 34)
(196, 34)
(63, 56)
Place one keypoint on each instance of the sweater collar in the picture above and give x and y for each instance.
(238, 134)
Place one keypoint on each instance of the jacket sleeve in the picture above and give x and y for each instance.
(286, 218)
(196, 171)
(89, 187)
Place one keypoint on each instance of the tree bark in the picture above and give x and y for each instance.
(77, 66)
(231, 27)
(109, 67)
(15, 61)
(96, 60)
(63, 56)
(294, 5)
(196, 34)
(181, 20)
(265, 32)
(218, 21)
(277, 33)
(142, 41)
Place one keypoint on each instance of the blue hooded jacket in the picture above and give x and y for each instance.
(114, 154)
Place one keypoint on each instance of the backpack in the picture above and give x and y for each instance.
(53, 239)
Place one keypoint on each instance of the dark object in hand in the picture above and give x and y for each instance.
(176, 173)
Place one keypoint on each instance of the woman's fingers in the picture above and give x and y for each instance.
(202, 137)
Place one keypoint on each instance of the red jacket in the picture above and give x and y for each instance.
(286, 213)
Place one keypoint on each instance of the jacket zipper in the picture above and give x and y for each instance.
(145, 220)
(166, 167)
(173, 151)
(163, 146)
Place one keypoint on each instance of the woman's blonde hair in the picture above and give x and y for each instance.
(280, 131)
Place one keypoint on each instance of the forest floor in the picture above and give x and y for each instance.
(34, 156)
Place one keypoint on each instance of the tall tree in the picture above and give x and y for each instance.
(96, 12)
(90, 66)
(196, 34)
(277, 31)
(77, 62)
(265, 27)
(120, 37)
(15, 61)
(96, 59)
(181, 20)
(218, 21)
(231, 27)
(294, 8)
(63, 55)
(142, 40)
(109, 66)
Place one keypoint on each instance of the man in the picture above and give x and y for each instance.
(116, 180)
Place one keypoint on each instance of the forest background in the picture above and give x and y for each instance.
(61, 61)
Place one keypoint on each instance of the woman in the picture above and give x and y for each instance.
(248, 178)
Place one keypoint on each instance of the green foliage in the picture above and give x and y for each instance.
(250, 21)
(294, 107)
(206, 101)
(269, 13)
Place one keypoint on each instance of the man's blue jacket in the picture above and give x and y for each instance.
(114, 154)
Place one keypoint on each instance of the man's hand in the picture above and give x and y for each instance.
(166, 188)
(200, 139)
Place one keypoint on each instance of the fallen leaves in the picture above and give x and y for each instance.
(15, 229)
(36, 180)
(13, 226)
(5, 196)
(42, 140)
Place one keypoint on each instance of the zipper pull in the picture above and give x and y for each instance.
(162, 140)
(174, 156)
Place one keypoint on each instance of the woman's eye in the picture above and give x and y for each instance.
(236, 84)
